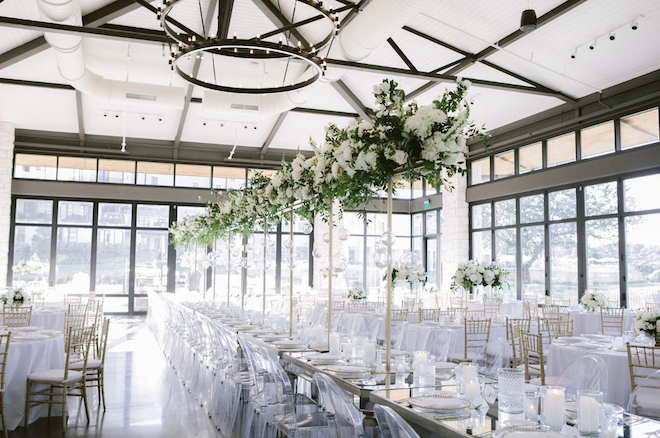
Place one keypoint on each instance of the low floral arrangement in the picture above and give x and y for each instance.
(325, 272)
(472, 273)
(648, 322)
(15, 297)
(31, 266)
(591, 300)
(356, 294)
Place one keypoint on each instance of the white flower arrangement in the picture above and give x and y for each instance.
(15, 297)
(411, 274)
(472, 273)
(356, 294)
(648, 322)
(591, 300)
(31, 266)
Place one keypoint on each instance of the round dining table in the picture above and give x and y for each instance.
(614, 354)
(27, 356)
(589, 322)
(51, 318)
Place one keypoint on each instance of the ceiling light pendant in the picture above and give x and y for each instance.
(528, 20)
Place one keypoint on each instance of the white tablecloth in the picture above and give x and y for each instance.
(589, 322)
(25, 358)
(48, 318)
(618, 373)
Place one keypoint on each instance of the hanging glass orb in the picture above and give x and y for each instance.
(326, 237)
(381, 260)
(339, 263)
(288, 244)
(267, 241)
(307, 228)
(317, 253)
(245, 263)
(409, 262)
(388, 238)
(343, 234)
(267, 263)
(235, 252)
(379, 247)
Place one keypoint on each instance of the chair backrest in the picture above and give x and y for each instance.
(645, 398)
(642, 362)
(5, 340)
(514, 334)
(77, 347)
(391, 424)
(550, 310)
(103, 340)
(492, 307)
(524, 324)
(456, 301)
(534, 356)
(494, 355)
(475, 314)
(587, 372)
(72, 299)
(399, 315)
(409, 303)
(559, 327)
(348, 419)
(611, 320)
(428, 314)
(442, 345)
(16, 316)
(75, 316)
(477, 334)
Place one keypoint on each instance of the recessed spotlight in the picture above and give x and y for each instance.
(116, 115)
(142, 116)
(160, 118)
(612, 36)
(574, 54)
(593, 45)
(105, 114)
(204, 122)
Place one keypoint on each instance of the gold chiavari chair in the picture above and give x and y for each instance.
(514, 335)
(475, 314)
(338, 305)
(428, 314)
(560, 327)
(400, 315)
(650, 305)
(357, 306)
(409, 303)
(524, 324)
(75, 316)
(477, 334)
(492, 307)
(534, 356)
(16, 316)
(532, 301)
(644, 363)
(611, 320)
(94, 376)
(456, 301)
(550, 310)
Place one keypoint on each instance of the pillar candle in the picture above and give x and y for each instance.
(589, 419)
(319, 335)
(334, 343)
(472, 389)
(369, 353)
(554, 407)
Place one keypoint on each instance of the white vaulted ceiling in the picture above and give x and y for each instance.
(471, 38)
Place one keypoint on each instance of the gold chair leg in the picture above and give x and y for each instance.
(102, 386)
(83, 390)
(27, 404)
(64, 395)
(2, 414)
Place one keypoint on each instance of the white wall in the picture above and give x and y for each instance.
(6, 165)
(455, 240)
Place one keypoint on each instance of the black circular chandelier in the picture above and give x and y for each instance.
(191, 47)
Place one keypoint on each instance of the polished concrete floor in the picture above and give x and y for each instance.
(144, 396)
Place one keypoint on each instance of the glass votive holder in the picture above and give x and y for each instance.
(553, 407)
(532, 405)
(590, 412)
(511, 389)
(610, 424)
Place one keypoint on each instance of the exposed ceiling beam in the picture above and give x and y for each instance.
(512, 37)
(437, 78)
(278, 19)
(273, 132)
(35, 84)
(351, 14)
(81, 119)
(351, 99)
(186, 104)
(224, 18)
(436, 41)
(324, 112)
(93, 19)
(402, 55)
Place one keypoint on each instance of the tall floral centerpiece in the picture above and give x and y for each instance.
(15, 297)
(32, 271)
(472, 274)
(649, 324)
(592, 300)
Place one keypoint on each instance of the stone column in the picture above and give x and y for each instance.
(455, 239)
(6, 166)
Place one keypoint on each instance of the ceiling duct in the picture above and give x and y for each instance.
(370, 28)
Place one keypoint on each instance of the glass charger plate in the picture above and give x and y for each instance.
(30, 337)
(598, 338)
(323, 357)
(289, 343)
(522, 432)
(272, 337)
(588, 346)
(571, 339)
(438, 402)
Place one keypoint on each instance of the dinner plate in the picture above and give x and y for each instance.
(258, 331)
(598, 338)
(570, 339)
(323, 357)
(290, 343)
(588, 346)
(25, 329)
(398, 353)
(272, 337)
(525, 432)
(30, 337)
(348, 370)
(438, 403)
(50, 332)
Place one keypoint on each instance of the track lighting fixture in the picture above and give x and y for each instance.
(204, 122)
(593, 45)
(528, 20)
(634, 25)
(574, 54)
(160, 118)
(612, 36)
(142, 116)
